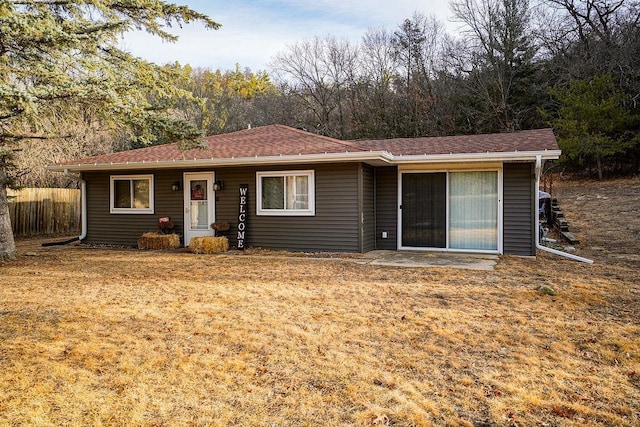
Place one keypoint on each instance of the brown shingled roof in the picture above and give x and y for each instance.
(280, 140)
(527, 140)
(264, 141)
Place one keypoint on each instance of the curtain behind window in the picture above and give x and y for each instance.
(473, 210)
(141, 193)
(297, 192)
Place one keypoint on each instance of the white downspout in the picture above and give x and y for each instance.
(83, 210)
(83, 204)
(537, 237)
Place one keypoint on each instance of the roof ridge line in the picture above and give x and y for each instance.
(466, 135)
(346, 143)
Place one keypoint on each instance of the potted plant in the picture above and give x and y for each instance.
(220, 228)
(164, 238)
(165, 225)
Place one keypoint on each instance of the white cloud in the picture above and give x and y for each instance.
(252, 33)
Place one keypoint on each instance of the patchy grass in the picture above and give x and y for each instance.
(605, 216)
(126, 337)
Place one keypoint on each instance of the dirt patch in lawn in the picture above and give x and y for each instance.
(605, 216)
(127, 337)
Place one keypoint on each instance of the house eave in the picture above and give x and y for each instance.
(513, 156)
(369, 156)
(377, 158)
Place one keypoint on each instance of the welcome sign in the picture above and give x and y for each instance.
(242, 215)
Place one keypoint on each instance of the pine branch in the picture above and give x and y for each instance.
(16, 137)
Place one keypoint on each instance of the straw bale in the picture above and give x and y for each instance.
(158, 241)
(209, 245)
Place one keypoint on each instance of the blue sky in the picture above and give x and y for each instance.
(253, 31)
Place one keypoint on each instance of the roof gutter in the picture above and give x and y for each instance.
(537, 219)
(382, 156)
(377, 156)
(478, 157)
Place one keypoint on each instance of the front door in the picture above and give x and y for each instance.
(199, 205)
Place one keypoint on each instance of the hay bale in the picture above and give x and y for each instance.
(209, 245)
(154, 240)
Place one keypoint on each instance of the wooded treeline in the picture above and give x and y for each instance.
(513, 65)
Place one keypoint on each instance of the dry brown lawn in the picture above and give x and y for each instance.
(127, 337)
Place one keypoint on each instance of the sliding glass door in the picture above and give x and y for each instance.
(450, 210)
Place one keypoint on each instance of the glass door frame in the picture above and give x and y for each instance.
(451, 168)
(187, 178)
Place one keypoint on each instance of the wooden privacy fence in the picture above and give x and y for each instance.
(44, 211)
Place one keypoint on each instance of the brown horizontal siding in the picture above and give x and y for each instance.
(368, 209)
(386, 207)
(518, 195)
(104, 227)
(333, 228)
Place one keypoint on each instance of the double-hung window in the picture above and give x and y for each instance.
(131, 194)
(286, 193)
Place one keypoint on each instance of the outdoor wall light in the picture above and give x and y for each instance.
(175, 186)
(217, 186)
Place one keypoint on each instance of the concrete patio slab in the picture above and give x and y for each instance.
(417, 259)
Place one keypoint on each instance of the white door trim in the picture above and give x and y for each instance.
(491, 168)
(211, 205)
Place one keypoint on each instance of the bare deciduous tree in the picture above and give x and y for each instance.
(321, 71)
(375, 96)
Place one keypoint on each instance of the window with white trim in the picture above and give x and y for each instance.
(286, 193)
(131, 194)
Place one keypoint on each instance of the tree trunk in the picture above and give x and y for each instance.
(599, 164)
(7, 244)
